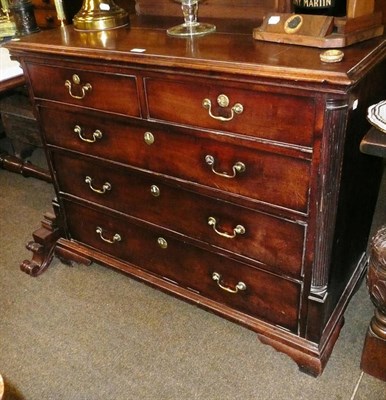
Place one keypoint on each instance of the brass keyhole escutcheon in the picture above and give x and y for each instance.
(154, 190)
(162, 243)
(149, 138)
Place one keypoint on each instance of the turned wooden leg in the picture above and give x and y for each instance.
(25, 168)
(374, 350)
(43, 243)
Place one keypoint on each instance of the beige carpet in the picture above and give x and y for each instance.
(90, 333)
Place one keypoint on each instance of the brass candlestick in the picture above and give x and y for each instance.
(60, 14)
(100, 15)
(5, 7)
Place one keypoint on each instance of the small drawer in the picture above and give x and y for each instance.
(235, 168)
(110, 92)
(221, 279)
(273, 243)
(257, 112)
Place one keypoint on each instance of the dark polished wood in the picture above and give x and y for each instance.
(373, 359)
(45, 12)
(25, 168)
(228, 9)
(22, 131)
(261, 215)
(42, 246)
(374, 143)
(380, 5)
(374, 350)
(12, 83)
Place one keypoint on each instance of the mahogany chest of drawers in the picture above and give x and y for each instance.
(224, 171)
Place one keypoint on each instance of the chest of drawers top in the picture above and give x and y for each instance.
(142, 44)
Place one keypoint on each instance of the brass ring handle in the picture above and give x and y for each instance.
(237, 168)
(95, 136)
(238, 230)
(116, 237)
(76, 80)
(240, 286)
(106, 186)
(222, 101)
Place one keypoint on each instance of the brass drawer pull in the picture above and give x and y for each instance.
(116, 237)
(239, 230)
(106, 186)
(76, 80)
(95, 136)
(240, 286)
(222, 101)
(237, 168)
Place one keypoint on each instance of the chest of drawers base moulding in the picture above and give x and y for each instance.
(287, 280)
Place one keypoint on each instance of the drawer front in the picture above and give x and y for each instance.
(274, 243)
(265, 296)
(277, 117)
(103, 91)
(267, 177)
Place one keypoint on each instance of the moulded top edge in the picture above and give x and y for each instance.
(218, 52)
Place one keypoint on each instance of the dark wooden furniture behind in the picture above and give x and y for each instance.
(19, 129)
(374, 350)
(222, 9)
(22, 132)
(45, 12)
(222, 170)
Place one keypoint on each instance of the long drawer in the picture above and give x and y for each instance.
(110, 92)
(237, 168)
(275, 243)
(256, 293)
(217, 105)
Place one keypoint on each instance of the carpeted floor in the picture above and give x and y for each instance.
(90, 333)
